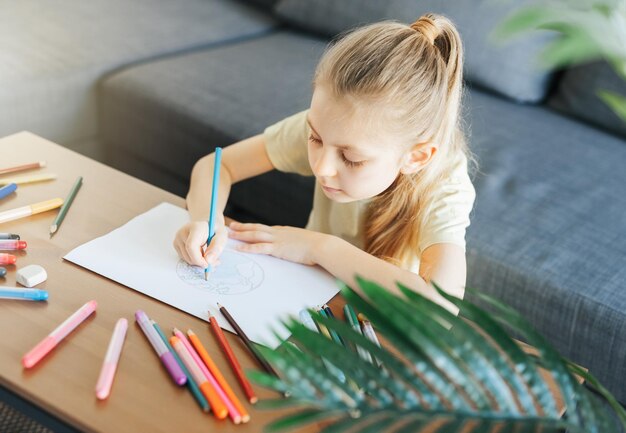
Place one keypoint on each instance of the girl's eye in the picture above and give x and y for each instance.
(345, 160)
(314, 140)
(351, 164)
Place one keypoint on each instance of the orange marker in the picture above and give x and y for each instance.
(197, 344)
(217, 405)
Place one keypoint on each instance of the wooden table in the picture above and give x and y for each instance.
(143, 398)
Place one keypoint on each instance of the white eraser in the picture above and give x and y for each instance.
(31, 275)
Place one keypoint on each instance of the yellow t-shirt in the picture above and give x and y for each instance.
(286, 144)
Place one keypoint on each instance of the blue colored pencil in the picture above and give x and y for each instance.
(216, 182)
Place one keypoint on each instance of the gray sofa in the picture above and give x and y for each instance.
(159, 84)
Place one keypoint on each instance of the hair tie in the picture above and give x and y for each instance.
(427, 27)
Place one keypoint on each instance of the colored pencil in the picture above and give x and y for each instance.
(166, 357)
(66, 205)
(307, 320)
(50, 342)
(266, 366)
(35, 208)
(204, 355)
(325, 311)
(217, 405)
(109, 366)
(8, 189)
(336, 337)
(11, 236)
(214, 191)
(368, 332)
(232, 359)
(20, 180)
(354, 323)
(232, 410)
(191, 383)
(323, 329)
(22, 294)
(23, 167)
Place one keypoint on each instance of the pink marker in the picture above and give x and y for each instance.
(12, 245)
(103, 387)
(232, 410)
(161, 349)
(55, 337)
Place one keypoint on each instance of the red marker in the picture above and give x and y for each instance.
(7, 259)
(12, 245)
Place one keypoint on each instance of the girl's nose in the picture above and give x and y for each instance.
(325, 165)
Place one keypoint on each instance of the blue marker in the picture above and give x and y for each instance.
(23, 294)
(216, 182)
(3, 271)
(8, 189)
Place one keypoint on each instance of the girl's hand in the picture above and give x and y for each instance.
(289, 243)
(191, 239)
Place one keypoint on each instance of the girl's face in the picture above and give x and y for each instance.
(352, 155)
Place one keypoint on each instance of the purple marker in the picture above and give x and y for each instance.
(161, 349)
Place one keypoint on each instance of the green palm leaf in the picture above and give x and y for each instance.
(441, 373)
(616, 102)
(582, 30)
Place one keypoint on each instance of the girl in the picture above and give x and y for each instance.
(382, 138)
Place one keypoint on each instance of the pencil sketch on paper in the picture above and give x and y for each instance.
(236, 274)
(145, 260)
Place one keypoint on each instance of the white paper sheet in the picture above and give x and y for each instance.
(257, 290)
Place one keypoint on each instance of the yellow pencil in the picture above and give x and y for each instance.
(28, 179)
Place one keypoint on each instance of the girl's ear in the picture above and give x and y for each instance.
(418, 157)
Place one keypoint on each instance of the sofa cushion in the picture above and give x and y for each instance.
(327, 17)
(509, 69)
(53, 53)
(547, 233)
(577, 95)
(162, 116)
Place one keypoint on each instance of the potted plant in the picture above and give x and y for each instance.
(585, 30)
(440, 372)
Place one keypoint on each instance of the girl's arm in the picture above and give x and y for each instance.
(242, 160)
(442, 263)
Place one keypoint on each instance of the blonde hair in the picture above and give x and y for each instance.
(415, 71)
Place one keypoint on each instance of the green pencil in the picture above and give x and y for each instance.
(354, 323)
(66, 205)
